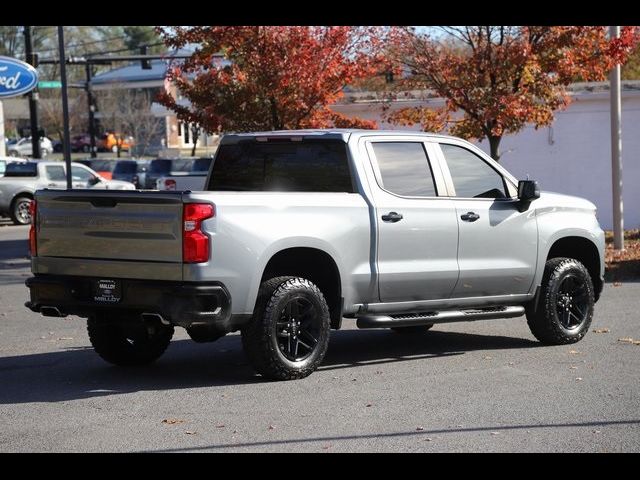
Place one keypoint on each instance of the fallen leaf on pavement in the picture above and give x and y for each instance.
(419, 429)
(65, 338)
(428, 439)
(189, 432)
(573, 352)
(368, 405)
(626, 340)
(596, 431)
(495, 433)
(601, 330)
(573, 367)
(172, 421)
(578, 378)
(271, 427)
(326, 447)
(220, 426)
(617, 284)
(487, 357)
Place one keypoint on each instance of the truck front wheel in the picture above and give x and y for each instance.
(564, 308)
(128, 344)
(288, 335)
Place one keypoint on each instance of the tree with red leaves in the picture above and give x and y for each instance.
(502, 77)
(269, 77)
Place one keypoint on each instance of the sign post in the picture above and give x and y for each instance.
(16, 78)
(3, 150)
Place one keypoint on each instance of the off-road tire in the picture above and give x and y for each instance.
(139, 345)
(260, 336)
(543, 317)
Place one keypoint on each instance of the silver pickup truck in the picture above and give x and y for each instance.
(298, 230)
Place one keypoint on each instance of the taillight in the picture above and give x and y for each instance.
(169, 184)
(195, 244)
(33, 211)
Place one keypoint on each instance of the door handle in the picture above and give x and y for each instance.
(470, 217)
(392, 217)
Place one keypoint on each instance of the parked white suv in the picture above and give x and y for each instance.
(23, 148)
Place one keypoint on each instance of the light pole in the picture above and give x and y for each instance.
(65, 107)
(616, 151)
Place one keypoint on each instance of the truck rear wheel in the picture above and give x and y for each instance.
(564, 309)
(288, 335)
(135, 344)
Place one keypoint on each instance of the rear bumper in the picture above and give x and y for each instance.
(179, 303)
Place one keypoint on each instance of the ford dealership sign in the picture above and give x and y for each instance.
(16, 77)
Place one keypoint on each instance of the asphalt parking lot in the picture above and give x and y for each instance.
(467, 387)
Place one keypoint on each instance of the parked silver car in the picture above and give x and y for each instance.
(22, 179)
(24, 148)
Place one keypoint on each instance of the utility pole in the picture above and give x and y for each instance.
(66, 141)
(33, 97)
(616, 150)
(92, 109)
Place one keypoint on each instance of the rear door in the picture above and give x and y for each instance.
(497, 248)
(417, 228)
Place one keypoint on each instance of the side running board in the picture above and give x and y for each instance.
(424, 318)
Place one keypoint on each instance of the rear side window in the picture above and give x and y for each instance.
(55, 173)
(472, 176)
(404, 168)
(311, 166)
(21, 170)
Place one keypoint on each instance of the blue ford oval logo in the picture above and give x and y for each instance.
(16, 77)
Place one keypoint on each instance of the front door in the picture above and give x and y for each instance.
(417, 230)
(497, 247)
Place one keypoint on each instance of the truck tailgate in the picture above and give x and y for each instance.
(109, 227)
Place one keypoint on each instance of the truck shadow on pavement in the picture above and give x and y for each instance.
(78, 373)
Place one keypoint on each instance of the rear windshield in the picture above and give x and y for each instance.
(125, 167)
(311, 166)
(181, 164)
(102, 165)
(201, 165)
(21, 170)
(160, 166)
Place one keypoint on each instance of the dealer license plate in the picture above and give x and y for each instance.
(107, 291)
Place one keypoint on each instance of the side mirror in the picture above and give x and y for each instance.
(94, 180)
(528, 190)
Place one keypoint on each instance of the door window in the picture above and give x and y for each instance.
(404, 168)
(79, 174)
(472, 176)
